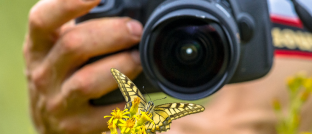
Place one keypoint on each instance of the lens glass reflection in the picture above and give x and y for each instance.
(189, 52)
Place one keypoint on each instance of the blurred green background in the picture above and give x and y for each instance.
(14, 114)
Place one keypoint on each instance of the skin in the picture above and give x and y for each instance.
(59, 89)
(246, 108)
(55, 48)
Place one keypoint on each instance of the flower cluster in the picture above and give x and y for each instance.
(299, 89)
(129, 121)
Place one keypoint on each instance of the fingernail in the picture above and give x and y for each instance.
(135, 27)
(136, 56)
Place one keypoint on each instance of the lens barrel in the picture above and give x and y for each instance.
(189, 49)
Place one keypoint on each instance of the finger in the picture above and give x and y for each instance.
(90, 40)
(32, 58)
(105, 110)
(95, 80)
(67, 27)
(88, 120)
(47, 16)
(106, 35)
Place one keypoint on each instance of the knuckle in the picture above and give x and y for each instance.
(38, 78)
(54, 106)
(71, 42)
(69, 127)
(79, 86)
(82, 84)
(35, 22)
(125, 57)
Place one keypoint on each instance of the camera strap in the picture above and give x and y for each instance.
(290, 38)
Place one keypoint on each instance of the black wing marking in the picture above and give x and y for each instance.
(165, 113)
(128, 89)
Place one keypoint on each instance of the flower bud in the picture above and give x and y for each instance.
(305, 95)
(308, 84)
(143, 118)
(294, 83)
(135, 106)
(276, 104)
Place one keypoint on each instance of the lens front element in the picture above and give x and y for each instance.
(189, 48)
(189, 52)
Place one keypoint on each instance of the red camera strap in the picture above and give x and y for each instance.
(290, 39)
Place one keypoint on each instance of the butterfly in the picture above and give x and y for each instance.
(163, 114)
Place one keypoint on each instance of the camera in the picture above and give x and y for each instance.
(192, 48)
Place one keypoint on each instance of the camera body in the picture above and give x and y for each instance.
(192, 48)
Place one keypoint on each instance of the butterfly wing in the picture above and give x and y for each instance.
(162, 114)
(165, 113)
(128, 89)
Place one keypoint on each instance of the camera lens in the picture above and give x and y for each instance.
(189, 52)
(189, 49)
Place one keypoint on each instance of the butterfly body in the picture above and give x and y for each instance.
(162, 115)
(149, 108)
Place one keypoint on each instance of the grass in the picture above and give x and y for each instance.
(14, 115)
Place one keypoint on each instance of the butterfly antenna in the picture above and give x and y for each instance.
(160, 99)
(147, 93)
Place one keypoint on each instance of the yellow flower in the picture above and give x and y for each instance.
(308, 84)
(143, 118)
(117, 115)
(141, 129)
(294, 83)
(112, 127)
(135, 106)
(276, 104)
(305, 95)
(127, 126)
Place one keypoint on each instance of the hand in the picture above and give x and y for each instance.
(54, 50)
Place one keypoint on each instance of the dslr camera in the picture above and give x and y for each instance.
(192, 48)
